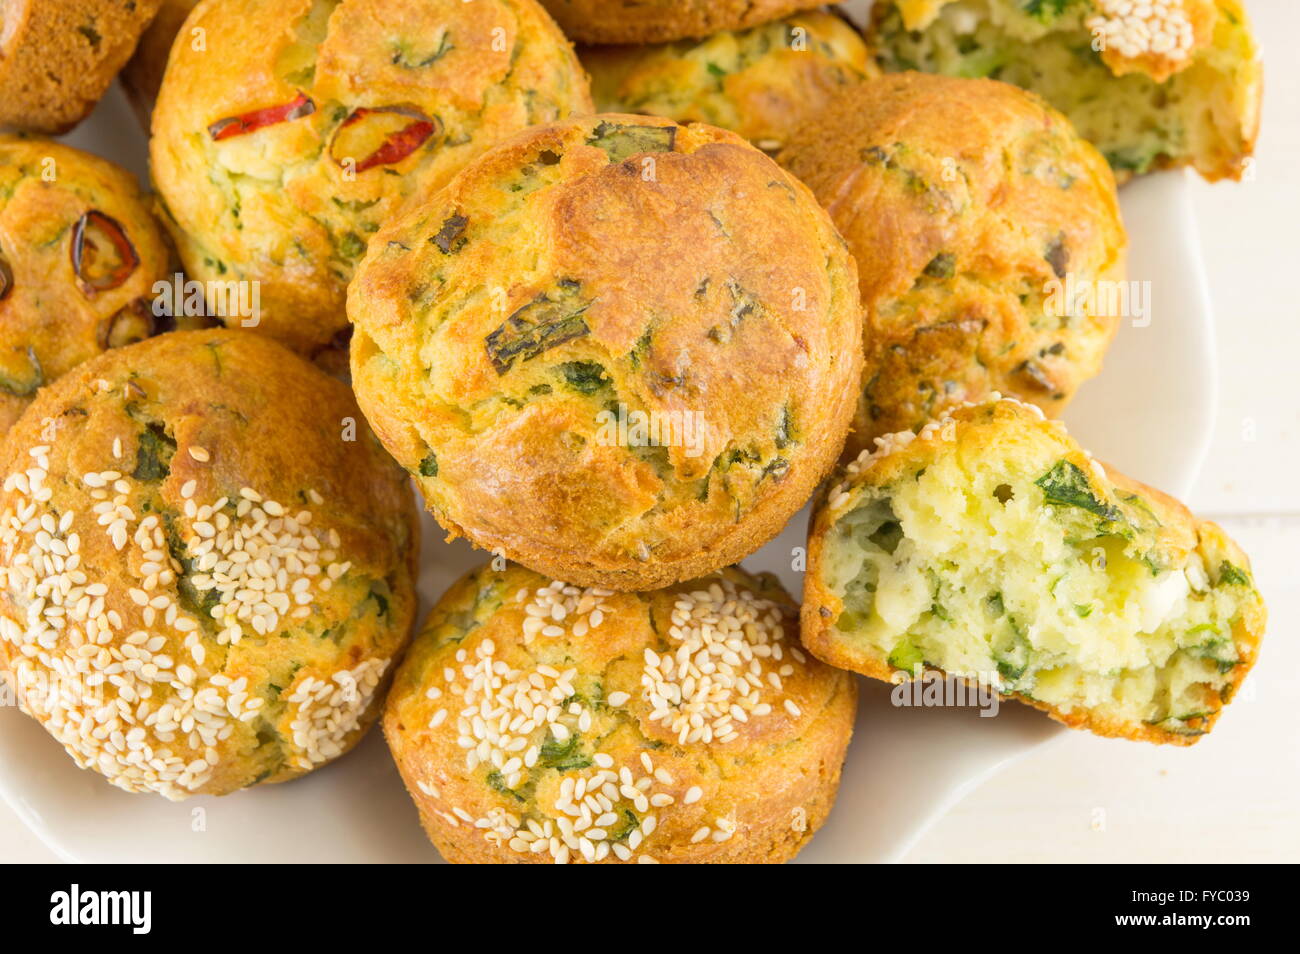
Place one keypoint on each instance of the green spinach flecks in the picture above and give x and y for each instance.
(451, 237)
(153, 454)
(622, 142)
(429, 465)
(1230, 575)
(1066, 485)
(548, 320)
(585, 377)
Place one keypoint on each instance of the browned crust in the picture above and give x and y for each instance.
(1181, 530)
(270, 421)
(47, 317)
(657, 21)
(770, 777)
(986, 179)
(60, 55)
(516, 488)
(303, 217)
(143, 73)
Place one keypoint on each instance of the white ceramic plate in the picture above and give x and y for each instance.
(1150, 413)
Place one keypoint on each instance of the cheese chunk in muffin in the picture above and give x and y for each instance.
(993, 548)
(759, 82)
(1152, 87)
(534, 721)
(207, 569)
(618, 350)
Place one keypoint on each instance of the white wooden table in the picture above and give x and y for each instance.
(1234, 796)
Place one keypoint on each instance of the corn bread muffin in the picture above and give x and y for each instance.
(618, 350)
(536, 721)
(993, 548)
(659, 21)
(1152, 85)
(79, 256)
(143, 73)
(988, 240)
(759, 82)
(206, 564)
(323, 118)
(57, 57)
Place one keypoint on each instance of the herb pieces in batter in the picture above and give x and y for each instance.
(1065, 485)
(563, 756)
(548, 320)
(153, 454)
(1230, 575)
(451, 237)
(623, 142)
(429, 466)
(585, 377)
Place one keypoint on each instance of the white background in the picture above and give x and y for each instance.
(1235, 796)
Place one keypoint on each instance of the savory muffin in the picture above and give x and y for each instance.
(760, 82)
(536, 721)
(206, 564)
(988, 239)
(993, 548)
(1152, 85)
(57, 57)
(79, 256)
(143, 73)
(618, 350)
(658, 21)
(323, 119)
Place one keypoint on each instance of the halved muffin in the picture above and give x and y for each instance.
(991, 547)
(1152, 85)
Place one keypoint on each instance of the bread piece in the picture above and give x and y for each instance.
(535, 721)
(988, 239)
(760, 82)
(57, 57)
(618, 350)
(282, 144)
(207, 568)
(1159, 93)
(993, 548)
(79, 255)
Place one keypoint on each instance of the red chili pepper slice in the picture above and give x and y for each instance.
(104, 264)
(395, 146)
(232, 126)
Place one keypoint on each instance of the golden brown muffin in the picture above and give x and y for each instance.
(324, 118)
(206, 564)
(993, 548)
(988, 239)
(761, 82)
(79, 256)
(1151, 88)
(659, 21)
(143, 73)
(618, 350)
(535, 721)
(57, 57)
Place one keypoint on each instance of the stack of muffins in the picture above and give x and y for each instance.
(618, 331)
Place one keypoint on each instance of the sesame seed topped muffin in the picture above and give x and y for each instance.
(537, 721)
(618, 350)
(658, 21)
(758, 82)
(988, 240)
(79, 256)
(992, 547)
(57, 57)
(1154, 85)
(206, 564)
(299, 126)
